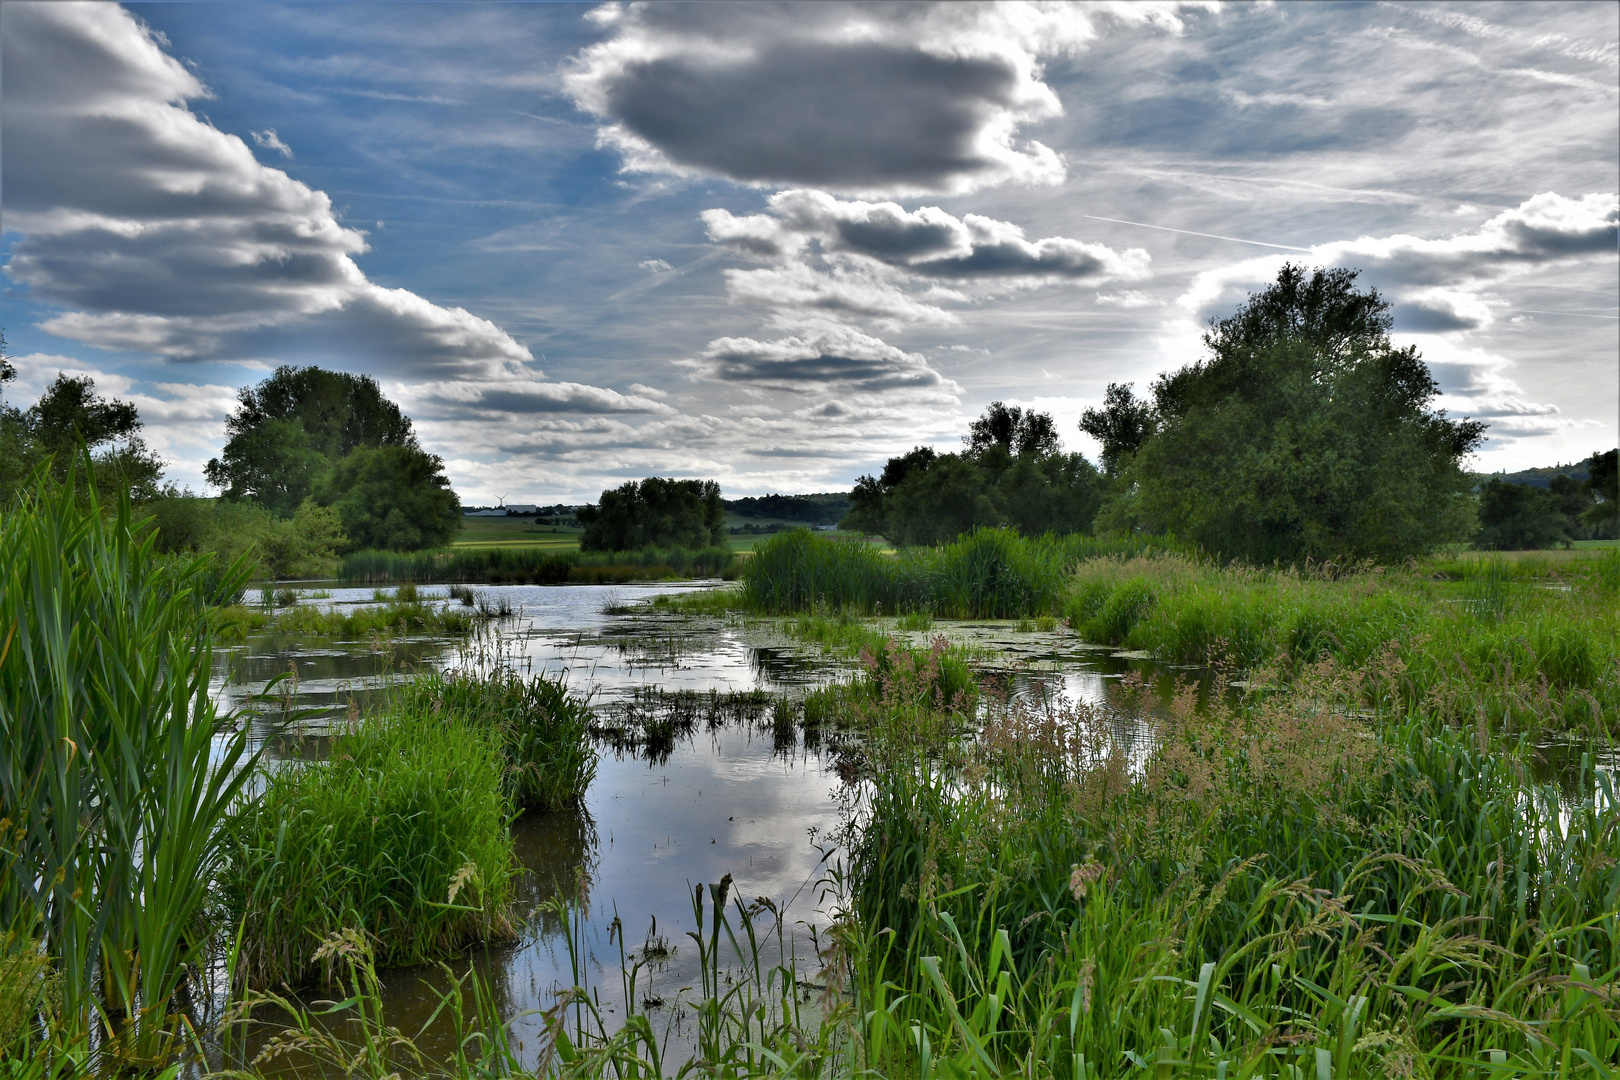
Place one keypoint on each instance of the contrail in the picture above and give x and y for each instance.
(1577, 314)
(1189, 232)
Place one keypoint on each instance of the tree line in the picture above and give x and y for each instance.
(1304, 433)
(316, 464)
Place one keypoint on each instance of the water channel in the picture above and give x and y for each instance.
(734, 797)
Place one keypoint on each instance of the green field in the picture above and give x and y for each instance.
(515, 532)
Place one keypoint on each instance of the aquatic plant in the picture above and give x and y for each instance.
(1279, 888)
(987, 573)
(116, 771)
(1525, 646)
(532, 566)
(400, 834)
(543, 728)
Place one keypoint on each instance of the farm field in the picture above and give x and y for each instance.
(515, 532)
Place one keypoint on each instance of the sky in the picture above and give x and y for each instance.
(776, 244)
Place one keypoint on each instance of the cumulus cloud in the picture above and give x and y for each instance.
(1441, 284)
(927, 242)
(902, 99)
(161, 234)
(831, 358)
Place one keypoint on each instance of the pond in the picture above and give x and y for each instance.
(732, 796)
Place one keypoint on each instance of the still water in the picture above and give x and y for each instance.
(733, 797)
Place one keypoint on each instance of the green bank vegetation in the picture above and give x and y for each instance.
(117, 780)
(1283, 884)
(533, 566)
(143, 850)
(1515, 645)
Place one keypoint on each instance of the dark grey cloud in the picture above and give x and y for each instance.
(893, 99)
(927, 242)
(833, 359)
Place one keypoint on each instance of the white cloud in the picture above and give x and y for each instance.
(1129, 298)
(1441, 284)
(271, 141)
(161, 234)
(926, 243)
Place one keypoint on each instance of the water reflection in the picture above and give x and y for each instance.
(703, 773)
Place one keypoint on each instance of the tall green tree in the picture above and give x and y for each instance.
(1305, 434)
(290, 429)
(657, 512)
(391, 497)
(1519, 517)
(1121, 426)
(1011, 472)
(1602, 518)
(71, 416)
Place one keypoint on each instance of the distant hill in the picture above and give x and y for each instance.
(825, 508)
(1541, 477)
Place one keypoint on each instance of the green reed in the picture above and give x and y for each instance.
(543, 728)
(1278, 889)
(116, 772)
(1519, 647)
(987, 573)
(400, 834)
(533, 566)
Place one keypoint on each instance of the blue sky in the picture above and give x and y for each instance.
(775, 244)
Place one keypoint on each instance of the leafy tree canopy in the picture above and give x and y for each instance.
(391, 497)
(1011, 472)
(1015, 432)
(68, 415)
(1602, 518)
(1120, 425)
(1304, 434)
(657, 512)
(1517, 517)
(291, 428)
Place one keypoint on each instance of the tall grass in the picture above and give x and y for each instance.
(1518, 646)
(1278, 890)
(532, 566)
(400, 835)
(116, 772)
(544, 730)
(988, 573)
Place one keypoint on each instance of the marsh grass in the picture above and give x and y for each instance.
(400, 835)
(391, 617)
(543, 727)
(654, 720)
(987, 573)
(116, 775)
(1524, 646)
(1283, 886)
(532, 566)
